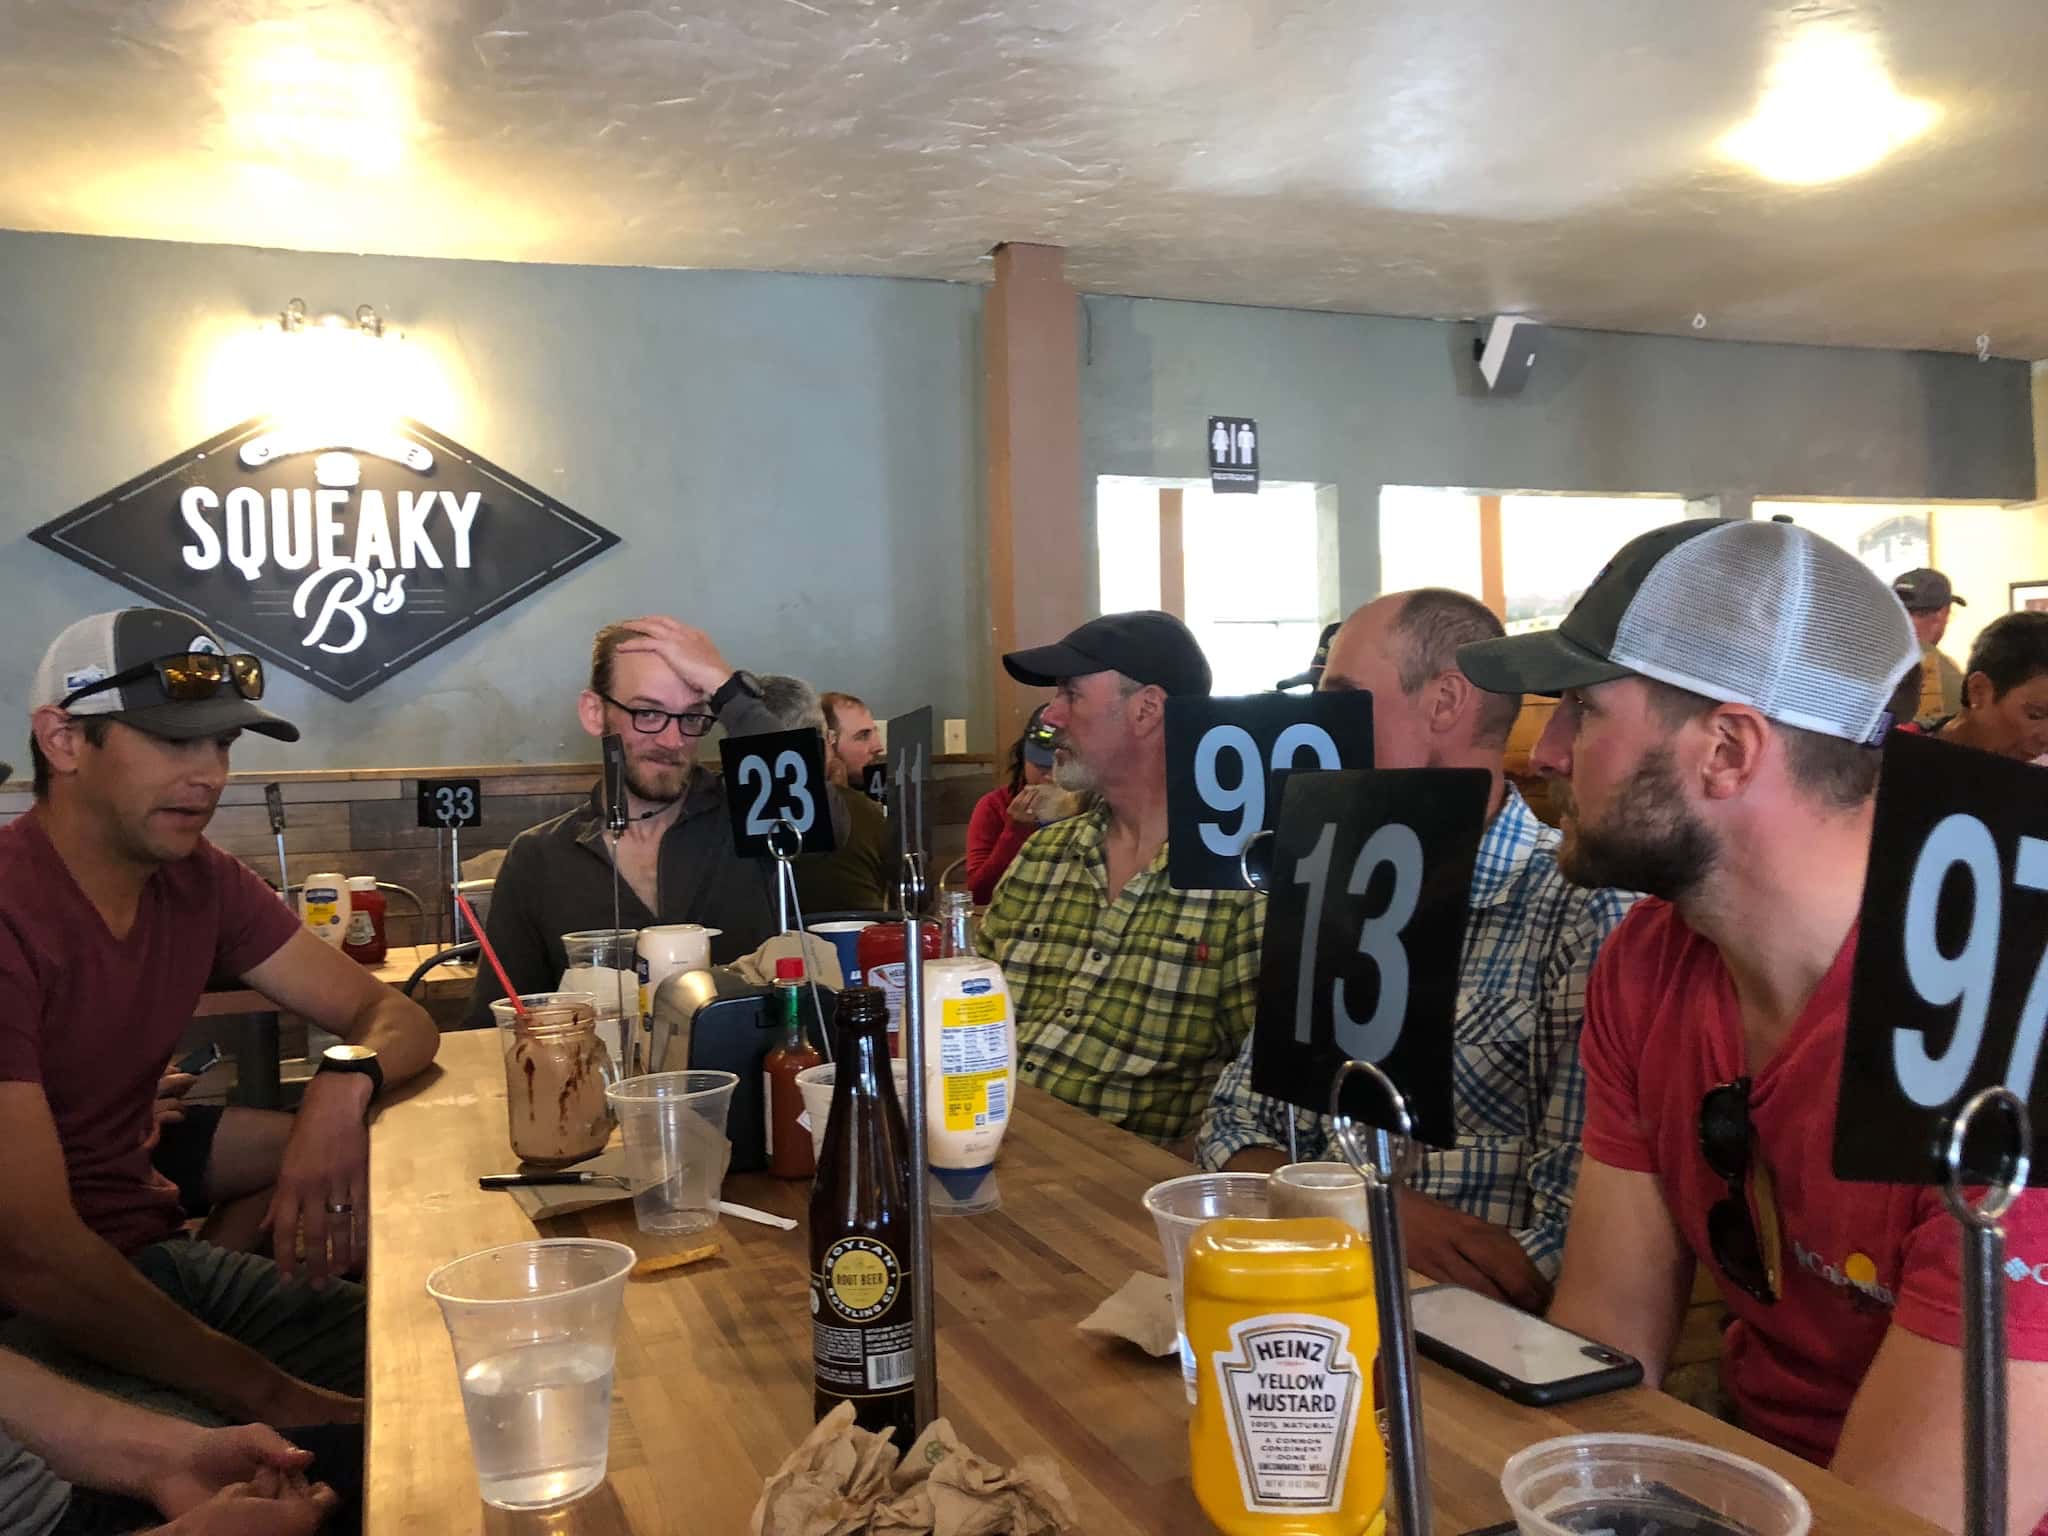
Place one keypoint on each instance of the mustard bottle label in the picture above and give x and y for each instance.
(974, 1061)
(1291, 1394)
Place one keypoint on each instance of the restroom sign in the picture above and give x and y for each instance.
(342, 558)
(1233, 454)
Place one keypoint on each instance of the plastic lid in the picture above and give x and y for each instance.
(789, 968)
(362, 882)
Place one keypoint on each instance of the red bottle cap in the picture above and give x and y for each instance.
(789, 968)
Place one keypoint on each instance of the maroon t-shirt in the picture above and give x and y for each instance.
(94, 1019)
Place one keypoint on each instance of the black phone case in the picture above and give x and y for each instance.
(1547, 1394)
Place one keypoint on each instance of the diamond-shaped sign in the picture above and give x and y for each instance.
(345, 562)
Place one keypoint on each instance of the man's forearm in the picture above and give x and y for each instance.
(401, 1034)
(87, 1437)
(97, 1303)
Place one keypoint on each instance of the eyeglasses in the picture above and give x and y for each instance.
(1747, 1254)
(185, 678)
(652, 722)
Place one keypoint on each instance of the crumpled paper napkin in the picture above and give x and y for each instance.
(821, 960)
(1140, 1311)
(846, 1481)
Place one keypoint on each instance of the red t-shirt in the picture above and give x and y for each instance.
(94, 1019)
(1662, 1027)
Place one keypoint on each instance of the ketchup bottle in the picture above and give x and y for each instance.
(789, 1144)
(363, 939)
(882, 950)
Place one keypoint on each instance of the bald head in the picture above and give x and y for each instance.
(1403, 649)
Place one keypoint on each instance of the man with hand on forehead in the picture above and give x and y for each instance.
(660, 686)
(1724, 691)
(115, 913)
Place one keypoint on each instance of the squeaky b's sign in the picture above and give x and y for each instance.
(342, 562)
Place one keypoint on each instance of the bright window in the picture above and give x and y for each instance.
(1429, 537)
(1553, 546)
(1251, 567)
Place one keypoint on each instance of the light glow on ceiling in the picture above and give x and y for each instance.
(1830, 111)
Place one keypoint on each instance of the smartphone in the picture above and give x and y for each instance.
(201, 1061)
(1521, 1357)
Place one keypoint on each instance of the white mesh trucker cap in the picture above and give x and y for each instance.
(1758, 613)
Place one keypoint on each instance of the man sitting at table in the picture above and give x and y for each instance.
(114, 913)
(1489, 1214)
(1724, 689)
(660, 686)
(1130, 996)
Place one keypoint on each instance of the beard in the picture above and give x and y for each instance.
(1073, 775)
(1648, 841)
(657, 779)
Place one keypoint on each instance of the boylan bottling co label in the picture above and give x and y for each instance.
(1291, 1394)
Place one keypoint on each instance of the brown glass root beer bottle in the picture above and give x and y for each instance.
(861, 1347)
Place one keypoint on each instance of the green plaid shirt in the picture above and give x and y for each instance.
(1127, 1008)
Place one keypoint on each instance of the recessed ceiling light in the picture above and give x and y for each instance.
(1830, 111)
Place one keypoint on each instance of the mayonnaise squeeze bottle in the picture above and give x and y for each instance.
(970, 1072)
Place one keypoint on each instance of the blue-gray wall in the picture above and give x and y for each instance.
(1360, 401)
(769, 448)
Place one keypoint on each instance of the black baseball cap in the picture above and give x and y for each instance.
(1926, 591)
(107, 645)
(1314, 674)
(1147, 646)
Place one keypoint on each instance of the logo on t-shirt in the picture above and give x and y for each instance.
(2019, 1271)
(1856, 1274)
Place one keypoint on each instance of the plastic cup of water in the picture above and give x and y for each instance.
(1178, 1207)
(676, 1151)
(534, 1327)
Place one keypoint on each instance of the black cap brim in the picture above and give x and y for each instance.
(1544, 662)
(1306, 679)
(1044, 666)
(204, 717)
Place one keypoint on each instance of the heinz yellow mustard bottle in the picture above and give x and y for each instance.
(1285, 1441)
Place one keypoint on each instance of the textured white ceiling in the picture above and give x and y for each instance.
(1429, 157)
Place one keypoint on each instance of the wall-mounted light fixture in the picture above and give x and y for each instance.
(341, 374)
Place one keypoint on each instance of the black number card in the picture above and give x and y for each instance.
(1365, 925)
(1950, 991)
(1227, 761)
(907, 783)
(777, 779)
(450, 803)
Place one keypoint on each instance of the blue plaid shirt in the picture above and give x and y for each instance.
(1518, 1090)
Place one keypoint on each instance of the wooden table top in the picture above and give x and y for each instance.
(713, 1385)
(450, 979)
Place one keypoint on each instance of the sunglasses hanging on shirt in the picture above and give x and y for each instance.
(1745, 1242)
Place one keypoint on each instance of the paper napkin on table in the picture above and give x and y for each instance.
(845, 1481)
(1141, 1312)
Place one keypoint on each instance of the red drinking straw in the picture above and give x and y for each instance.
(490, 954)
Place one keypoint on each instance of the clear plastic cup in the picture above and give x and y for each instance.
(1319, 1189)
(815, 1084)
(1633, 1485)
(534, 1327)
(1178, 1207)
(676, 1151)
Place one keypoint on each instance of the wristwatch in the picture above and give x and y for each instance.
(359, 1059)
(740, 682)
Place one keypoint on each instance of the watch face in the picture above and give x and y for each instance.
(345, 1053)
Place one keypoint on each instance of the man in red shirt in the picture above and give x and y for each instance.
(1723, 690)
(115, 912)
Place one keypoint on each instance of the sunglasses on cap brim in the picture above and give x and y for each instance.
(186, 678)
